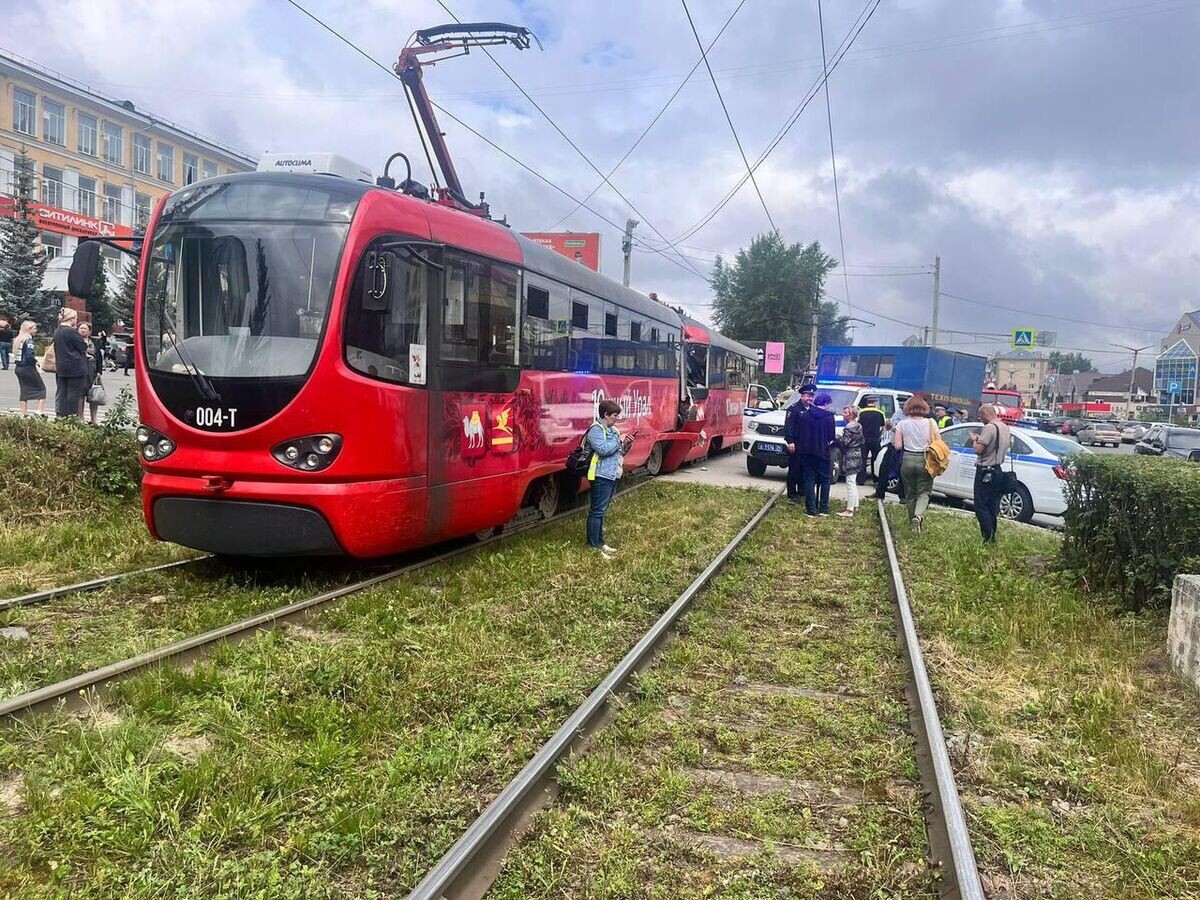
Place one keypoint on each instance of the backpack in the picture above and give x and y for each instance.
(937, 457)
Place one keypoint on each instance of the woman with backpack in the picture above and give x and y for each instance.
(24, 353)
(604, 471)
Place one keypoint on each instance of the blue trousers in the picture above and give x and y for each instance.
(5, 347)
(599, 498)
(817, 476)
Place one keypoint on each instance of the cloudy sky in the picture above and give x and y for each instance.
(1045, 150)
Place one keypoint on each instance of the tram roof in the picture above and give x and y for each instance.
(554, 265)
(715, 338)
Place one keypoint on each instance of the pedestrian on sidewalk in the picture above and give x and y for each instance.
(29, 379)
(797, 412)
(991, 444)
(94, 396)
(850, 444)
(912, 437)
(608, 447)
(6, 341)
(71, 372)
(872, 421)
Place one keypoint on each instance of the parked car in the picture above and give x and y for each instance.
(1041, 462)
(1170, 440)
(1052, 426)
(1072, 426)
(1132, 432)
(1107, 434)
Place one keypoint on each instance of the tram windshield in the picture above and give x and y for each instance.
(240, 278)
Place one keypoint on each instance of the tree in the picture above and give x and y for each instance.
(22, 261)
(122, 302)
(1070, 362)
(768, 293)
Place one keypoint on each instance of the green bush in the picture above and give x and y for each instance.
(65, 466)
(1132, 525)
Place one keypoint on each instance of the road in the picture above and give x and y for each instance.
(9, 390)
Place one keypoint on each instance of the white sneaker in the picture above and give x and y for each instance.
(608, 549)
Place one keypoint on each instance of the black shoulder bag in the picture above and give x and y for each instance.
(579, 460)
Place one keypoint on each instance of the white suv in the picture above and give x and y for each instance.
(762, 427)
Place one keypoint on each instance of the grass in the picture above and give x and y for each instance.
(786, 676)
(342, 760)
(1073, 744)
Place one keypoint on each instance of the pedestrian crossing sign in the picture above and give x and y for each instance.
(1022, 337)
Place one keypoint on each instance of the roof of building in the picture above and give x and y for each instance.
(123, 108)
(1119, 383)
(1020, 354)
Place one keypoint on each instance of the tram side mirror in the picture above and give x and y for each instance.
(377, 285)
(83, 270)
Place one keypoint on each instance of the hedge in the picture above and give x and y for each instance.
(1132, 525)
(66, 466)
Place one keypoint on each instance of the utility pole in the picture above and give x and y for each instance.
(937, 290)
(627, 247)
(1132, 376)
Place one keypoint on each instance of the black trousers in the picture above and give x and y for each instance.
(795, 476)
(987, 501)
(68, 394)
(889, 467)
(870, 451)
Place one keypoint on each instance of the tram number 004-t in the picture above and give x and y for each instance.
(213, 417)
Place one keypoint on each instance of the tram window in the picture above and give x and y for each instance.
(537, 302)
(579, 315)
(610, 324)
(736, 369)
(635, 331)
(479, 312)
(390, 343)
(887, 366)
(716, 368)
(847, 365)
(697, 365)
(868, 365)
(654, 336)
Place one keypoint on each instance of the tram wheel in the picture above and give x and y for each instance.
(548, 497)
(654, 462)
(484, 533)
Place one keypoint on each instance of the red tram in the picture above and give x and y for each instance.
(328, 366)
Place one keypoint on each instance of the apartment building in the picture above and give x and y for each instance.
(1020, 370)
(100, 164)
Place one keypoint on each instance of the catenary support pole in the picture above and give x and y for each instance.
(937, 292)
(627, 247)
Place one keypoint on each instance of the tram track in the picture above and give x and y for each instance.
(76, 690)
(471, 865)
(94, 584)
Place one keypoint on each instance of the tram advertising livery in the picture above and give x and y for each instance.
(330, 366)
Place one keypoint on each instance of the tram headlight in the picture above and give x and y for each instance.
(154, 445)
(310, 453)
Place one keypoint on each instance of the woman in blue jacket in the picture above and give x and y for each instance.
(608, 447)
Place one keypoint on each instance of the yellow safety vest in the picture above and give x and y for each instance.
(595, 456)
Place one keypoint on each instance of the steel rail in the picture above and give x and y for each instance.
(455, 866)
(92, 585)
(47, 696)
(961, 861)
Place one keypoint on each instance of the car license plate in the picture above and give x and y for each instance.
(769, 448)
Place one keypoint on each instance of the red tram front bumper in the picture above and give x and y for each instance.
(271, 518)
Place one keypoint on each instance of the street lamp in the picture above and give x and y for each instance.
(1132, 375)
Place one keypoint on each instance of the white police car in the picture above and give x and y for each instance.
(762, 427)
(1041, 462)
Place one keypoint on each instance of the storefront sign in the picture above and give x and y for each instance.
(773, 358)
(63, 221)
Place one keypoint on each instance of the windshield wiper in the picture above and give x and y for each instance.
(203, 386)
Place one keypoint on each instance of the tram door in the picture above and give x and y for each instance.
(474, 374)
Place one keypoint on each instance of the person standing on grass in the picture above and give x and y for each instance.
(608, 447)
(912, 437)
(991, 443)
(851, 446)
(812, 437)
(29, 379)
(71, 373)
(797, 412)
(6, 340)
(872, 421)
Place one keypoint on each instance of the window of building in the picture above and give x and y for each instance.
(24, 111)
(141, 154)
(85, 128)
(112, 262)
(52, 186)
(579, 315)
(383, 343)
(141, 209)
(479, 319)
(52, 245)
(54, 121)
(114, 143)
(87, 196)
(537, 302)
(191, 168)
(1176, 366)
(166, 162)
(210, 169)
(112, 203)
